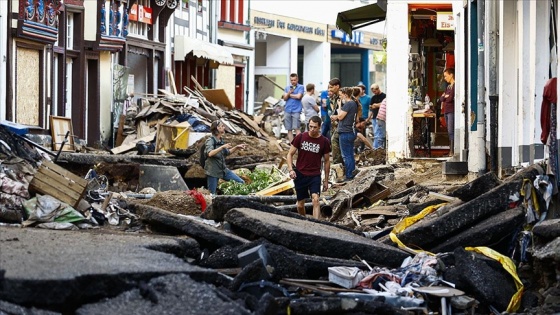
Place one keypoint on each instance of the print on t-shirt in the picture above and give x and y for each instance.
(310, 146)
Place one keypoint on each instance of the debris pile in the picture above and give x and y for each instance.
(482, 247)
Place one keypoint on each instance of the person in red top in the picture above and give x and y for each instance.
(313, 152)
(549, 97)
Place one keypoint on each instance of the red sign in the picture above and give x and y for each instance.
(133, 15)
(140, 13)
(146, 16)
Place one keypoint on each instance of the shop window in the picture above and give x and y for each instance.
(138, 26)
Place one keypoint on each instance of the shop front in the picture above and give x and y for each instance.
(420, 46)
(357, 58)
(285, 45)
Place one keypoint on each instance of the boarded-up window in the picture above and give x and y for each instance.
(28, 86)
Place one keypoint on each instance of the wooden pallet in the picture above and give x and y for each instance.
(59, 183)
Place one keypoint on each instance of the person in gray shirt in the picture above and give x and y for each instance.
(309, 104)
(347, 118)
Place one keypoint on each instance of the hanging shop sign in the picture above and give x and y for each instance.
(357, 37)
(360, 39)
(141, 14)
(288, 26)
(445, 21)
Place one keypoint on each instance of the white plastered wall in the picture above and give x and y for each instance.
(397, 87)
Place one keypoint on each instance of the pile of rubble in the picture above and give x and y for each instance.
(482, 247)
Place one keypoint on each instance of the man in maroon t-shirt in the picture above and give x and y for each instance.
(313, 151)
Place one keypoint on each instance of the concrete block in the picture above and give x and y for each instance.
(454, 168)
(252, 254)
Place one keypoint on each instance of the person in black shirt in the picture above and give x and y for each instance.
(375, 103)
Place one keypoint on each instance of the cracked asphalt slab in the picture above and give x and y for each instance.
(314, 238)
(66, 269)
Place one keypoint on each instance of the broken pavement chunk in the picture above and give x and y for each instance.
(432, 230)
(205, 234)
(485, 233)
(314, 238)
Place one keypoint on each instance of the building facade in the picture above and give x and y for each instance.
(503, 53)
(315, 51)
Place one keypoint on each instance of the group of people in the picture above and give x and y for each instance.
(344, 114)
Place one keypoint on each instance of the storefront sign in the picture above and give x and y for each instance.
(445, 21)
(289, 26)
(357, 37)
(140, 13)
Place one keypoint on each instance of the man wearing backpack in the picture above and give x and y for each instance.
(215, 152)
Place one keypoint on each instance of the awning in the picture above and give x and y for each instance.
(185, 45)
(362, 16)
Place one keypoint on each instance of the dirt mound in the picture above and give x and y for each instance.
(177, 201)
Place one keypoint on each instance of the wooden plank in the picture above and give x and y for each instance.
(443, 197)
(275, 84)
(164, 93)
(49, 176)
(172, 82)
(217, 97)
(196, 84)
(132, 144)
(60, 191)
(251, 122)
(120, 136)
(375, 212)
(310, 281)
(66, 173)
(276, 189)
(45, 189)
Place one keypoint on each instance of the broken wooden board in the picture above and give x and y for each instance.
(371, 195)
(217, 97)
(59, 183)
(276, 189)
(129, 146)
(388, 211)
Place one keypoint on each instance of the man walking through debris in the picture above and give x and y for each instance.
(216, 152)
(311, 147)
(292, 111)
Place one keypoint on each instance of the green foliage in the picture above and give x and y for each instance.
(258, 180)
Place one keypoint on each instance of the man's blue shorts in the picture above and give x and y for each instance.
(307, 185)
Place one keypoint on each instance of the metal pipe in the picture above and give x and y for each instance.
(492, 21)
(480, 148)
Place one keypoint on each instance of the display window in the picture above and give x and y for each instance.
(431, 52)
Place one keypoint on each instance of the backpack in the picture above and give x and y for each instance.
(202, 151)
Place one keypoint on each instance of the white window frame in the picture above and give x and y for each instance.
(69, 30)
(139, 29)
